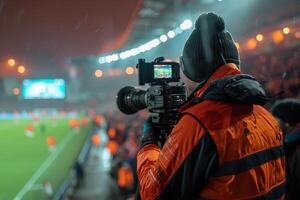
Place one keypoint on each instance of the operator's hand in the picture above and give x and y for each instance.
(149, 134)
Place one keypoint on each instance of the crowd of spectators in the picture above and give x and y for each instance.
(123, 133)
(277, 70)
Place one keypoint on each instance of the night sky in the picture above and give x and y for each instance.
(43, 33)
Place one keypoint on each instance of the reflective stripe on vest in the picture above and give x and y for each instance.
(275, 193)
(254, 160)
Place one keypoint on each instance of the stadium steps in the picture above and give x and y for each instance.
(97, 184)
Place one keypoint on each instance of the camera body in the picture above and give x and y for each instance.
(164, 96)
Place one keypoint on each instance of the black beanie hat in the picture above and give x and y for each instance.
(288, 110)
(208, 47)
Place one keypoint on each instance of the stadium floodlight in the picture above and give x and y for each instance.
(178, 30)
(144, 47)
(186, 24)
(163, 38)
(21, 69)
(259, 37)
(134, 51)
(101, 60)
(154, 43)
(286, 30)
(128, 53)
(129, 70)
(108, 59)
(115, 57)
(11, 62)
(148, 46)
(123, 55)
(171, 34)
(141, 48)
(138, 51)
(98, 73)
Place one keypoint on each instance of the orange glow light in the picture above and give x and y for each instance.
(115, 72)
(286, 30)
(112, 132)
(277, 36)
(237, 45)
(129, 70)
(252, 44)
(96, 140)
(113, 147)
(98, 73)
(21, 69)
(11, 62)
(16, 91)
(259, 37)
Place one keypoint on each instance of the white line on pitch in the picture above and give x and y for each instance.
(42, 168)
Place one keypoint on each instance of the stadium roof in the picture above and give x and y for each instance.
(42, 34)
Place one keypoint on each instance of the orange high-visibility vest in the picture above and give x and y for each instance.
(113, 147)
(250, 152)
(112, 132)
(125, 177)
(96, 140)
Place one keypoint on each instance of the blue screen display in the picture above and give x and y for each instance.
(44, 89)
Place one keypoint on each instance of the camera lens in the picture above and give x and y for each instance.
(131, 100)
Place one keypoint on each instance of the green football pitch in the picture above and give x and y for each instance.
(26, 162)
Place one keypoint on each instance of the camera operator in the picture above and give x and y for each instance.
(225, 145)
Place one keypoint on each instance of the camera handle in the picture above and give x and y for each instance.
(164, 121)
(159, 59)
(164, 133)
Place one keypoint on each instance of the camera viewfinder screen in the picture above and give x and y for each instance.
(44, 89)
(162, 71)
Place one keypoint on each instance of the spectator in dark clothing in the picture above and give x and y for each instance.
(288, 113)
(79, 173)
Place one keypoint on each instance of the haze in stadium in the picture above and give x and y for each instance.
(62, 64)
